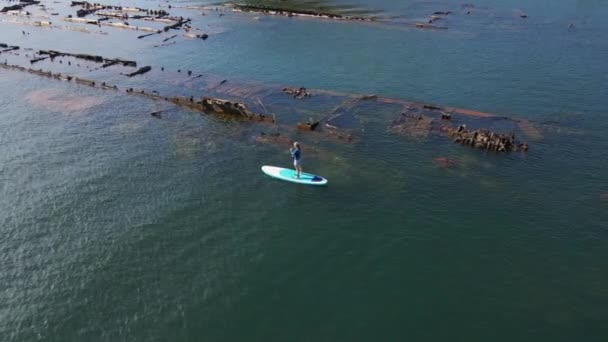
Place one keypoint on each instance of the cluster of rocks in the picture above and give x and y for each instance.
(486, 139)
(297, 93)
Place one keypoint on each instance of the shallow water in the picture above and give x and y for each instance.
(119, 226)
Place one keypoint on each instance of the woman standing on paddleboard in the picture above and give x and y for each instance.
(296, 153)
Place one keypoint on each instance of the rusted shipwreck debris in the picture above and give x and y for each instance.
(341, 124)
(7, 48)
(210, 105)
(205, 105)
(308, 126)
(421, 126)
(19, 6)
(91, 58)
(227, 108)
(176, 26)
(140, 71)
(36, 60)
(486, 139)
(231, 108)
(297, 93)
(331, 128)
(417, 126)
(89, 8)
(160, 16)
(202, 36)
(438, 16)
(430, 26)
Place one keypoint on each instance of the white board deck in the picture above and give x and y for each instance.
(289, 175)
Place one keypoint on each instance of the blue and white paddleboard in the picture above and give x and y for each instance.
(289, 175)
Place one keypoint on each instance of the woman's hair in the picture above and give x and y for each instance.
(297, 145)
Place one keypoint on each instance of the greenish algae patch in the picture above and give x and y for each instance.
(304, 7)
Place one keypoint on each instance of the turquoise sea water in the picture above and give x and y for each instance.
(117, 226)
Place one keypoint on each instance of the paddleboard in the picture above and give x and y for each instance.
(289, 175)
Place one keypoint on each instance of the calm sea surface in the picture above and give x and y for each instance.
(117, 226)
